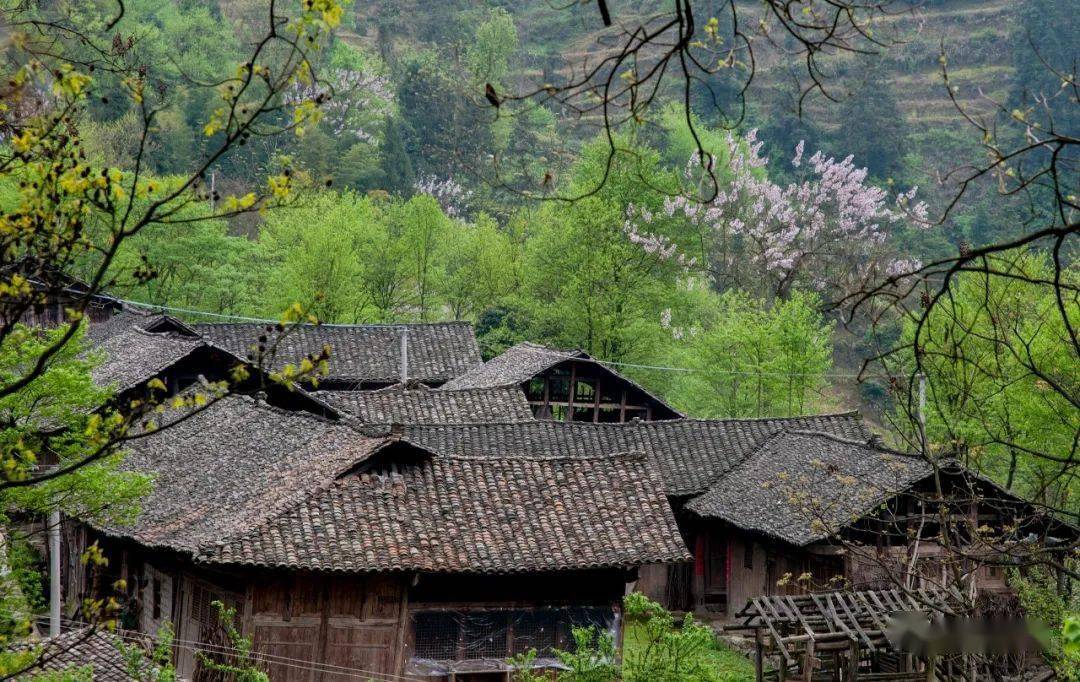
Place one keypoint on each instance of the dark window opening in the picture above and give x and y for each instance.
(156, 598)
(584, 391)
(583, 414)
(559, 388)
(610, 392)
(535, 390)
(748, 555)
(609, 415)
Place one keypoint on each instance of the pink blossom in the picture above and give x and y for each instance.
(829, 225)
(452, 197)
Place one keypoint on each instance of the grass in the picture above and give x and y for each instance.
(724, 663)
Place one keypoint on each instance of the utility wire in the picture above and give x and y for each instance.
(261, 657)
(242, 318)
(725, 371)
(613, 363)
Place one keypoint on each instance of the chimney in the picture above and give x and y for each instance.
(397, 430)
(404, 355)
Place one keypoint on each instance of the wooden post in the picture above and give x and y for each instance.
(931, 668)
(853, 660)
(403, 624)
(573, 389)
(808, 662)
(759, 656)
(323, 633)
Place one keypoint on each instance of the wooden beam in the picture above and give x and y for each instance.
(808, 662)
(573, 389)
(759, 657)
(777, 639)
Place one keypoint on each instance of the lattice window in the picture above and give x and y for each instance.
(500, 634)
(485, 635)
(436, 635)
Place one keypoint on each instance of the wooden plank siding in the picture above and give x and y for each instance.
(352, 622)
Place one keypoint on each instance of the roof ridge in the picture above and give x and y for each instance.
(872, 443)
(168, 334)
(263, 404)
(630, 455)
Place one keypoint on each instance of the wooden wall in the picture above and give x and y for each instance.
(730, 566)
(354, 622)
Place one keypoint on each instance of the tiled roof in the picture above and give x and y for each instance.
(219, 471)
(130, 354)
(483, 515)
(513, 366)
(802, 486)
(419, 404)
(79, 648)
(243, 482)
(690, 453)
(365, 353)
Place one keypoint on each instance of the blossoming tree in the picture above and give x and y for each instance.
(828, 228)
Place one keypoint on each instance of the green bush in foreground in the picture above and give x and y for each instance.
(655, 648)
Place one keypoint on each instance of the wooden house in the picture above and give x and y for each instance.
(49, 294)
(745, 493)
(352, 546)
(850, 513)
(568, 386)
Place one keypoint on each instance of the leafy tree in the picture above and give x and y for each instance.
(871, 126)
(992, 358)
(1058, 612)
(356, 259)
(488, 54)
(49, 419)
(198, 266)
(481, 268)
(398, 176)
(422, 226)
(316, 255)
(751, 359)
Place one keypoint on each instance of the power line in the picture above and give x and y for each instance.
(731, 372)
(614, 363)
(261, 657)
(242, 318)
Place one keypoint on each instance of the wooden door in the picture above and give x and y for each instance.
(363, 620)
(351, 622)
(286, 619)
